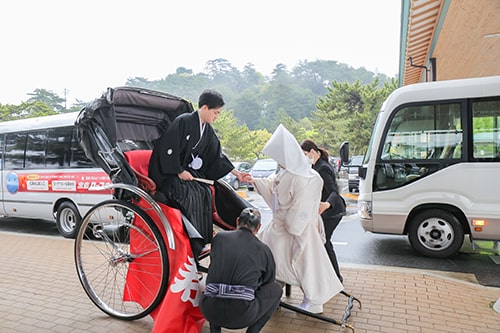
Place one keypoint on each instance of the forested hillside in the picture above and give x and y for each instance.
(262, 102)
(323, 100)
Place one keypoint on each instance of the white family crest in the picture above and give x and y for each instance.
(189, 284)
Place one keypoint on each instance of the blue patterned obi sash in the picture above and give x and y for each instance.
(221, 290)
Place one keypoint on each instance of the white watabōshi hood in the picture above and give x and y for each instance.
(284, 149)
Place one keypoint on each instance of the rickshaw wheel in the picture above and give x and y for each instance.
(121, 260)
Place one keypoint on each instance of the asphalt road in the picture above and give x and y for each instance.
(355, 246)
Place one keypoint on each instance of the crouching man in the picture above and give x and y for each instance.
(241, 290)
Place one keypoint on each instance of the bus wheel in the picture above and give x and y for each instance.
(436, 233)
(68, 219)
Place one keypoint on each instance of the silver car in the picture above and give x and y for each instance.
(262, 169)
(352, 170)
(232, 179)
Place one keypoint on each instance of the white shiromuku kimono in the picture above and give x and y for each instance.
(295, 233)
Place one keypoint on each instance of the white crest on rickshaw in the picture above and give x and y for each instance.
(189, 282)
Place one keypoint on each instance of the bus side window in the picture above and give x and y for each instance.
(35, 149)
(77, 155)
(452, 138)
(58, 147)
(457, 153)
(15, 145)
(486, 129)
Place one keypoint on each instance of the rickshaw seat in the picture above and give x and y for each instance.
(226, 204)
(139, 162)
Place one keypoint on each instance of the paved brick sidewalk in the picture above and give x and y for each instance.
(40, 293)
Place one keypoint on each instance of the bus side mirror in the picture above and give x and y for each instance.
(344, 153)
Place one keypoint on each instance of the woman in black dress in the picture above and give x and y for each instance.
(332, 207)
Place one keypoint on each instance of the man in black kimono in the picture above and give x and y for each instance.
(190, 149)
(241, 290)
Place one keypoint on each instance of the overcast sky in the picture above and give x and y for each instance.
(85, 46)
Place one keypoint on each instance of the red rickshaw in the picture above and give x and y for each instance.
(130, 248)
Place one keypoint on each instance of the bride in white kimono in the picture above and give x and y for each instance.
(295, 234)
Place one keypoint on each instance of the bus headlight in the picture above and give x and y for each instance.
(365, 209)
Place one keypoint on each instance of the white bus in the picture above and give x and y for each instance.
(45, 173)
(432, 168)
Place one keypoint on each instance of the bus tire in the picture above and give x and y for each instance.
(68, 219)
(436, 233)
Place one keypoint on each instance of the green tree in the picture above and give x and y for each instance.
(262, 102)
(235, 139)
(78, 105)
(348, 112)
(54, 101)
(25, 110)
(317, 75)
(307, 75)
(250, 77)
(6, 112)
(248, 108)
(282, 100)
(221, 71)
(301, 129)
(280, 74)
(185, 84)
(259, 139)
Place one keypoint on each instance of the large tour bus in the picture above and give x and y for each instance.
(432, 168)
(45, 173)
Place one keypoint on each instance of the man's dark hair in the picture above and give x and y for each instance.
(211, 98)
(250, 218)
